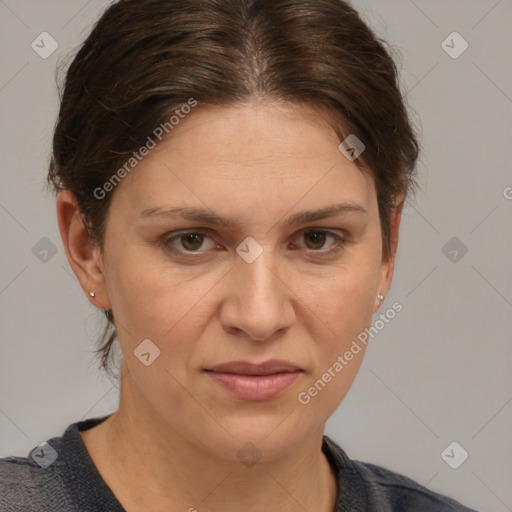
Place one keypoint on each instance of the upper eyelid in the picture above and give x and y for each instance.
(206, 231)
(209, 232)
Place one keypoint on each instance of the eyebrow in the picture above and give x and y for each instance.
(210, 217)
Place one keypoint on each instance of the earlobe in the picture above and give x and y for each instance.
(378, 302)
(83, 255)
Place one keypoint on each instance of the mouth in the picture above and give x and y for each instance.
(255, 381)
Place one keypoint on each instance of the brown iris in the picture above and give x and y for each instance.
(317, 237)
(192, 241)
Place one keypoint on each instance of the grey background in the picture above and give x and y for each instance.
(439, 372)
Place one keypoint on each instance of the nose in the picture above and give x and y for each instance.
(259, 304)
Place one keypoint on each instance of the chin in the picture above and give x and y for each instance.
(265, 437)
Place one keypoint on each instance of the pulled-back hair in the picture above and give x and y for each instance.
(145, 59)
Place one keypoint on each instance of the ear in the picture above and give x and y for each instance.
(83, 255)
(388, 264)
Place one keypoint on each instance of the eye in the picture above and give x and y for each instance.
(194, 242)
(316, 239)
(190, 242)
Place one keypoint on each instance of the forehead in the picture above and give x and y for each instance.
(263, 152)
(254, 133)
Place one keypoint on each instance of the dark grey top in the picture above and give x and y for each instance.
(60, 476)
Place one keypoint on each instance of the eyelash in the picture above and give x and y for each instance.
(340, 242)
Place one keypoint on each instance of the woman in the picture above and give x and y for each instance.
(230, 176)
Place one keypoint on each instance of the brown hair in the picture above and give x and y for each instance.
(144, 59)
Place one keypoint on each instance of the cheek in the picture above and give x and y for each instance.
(342, 300)
(169, 304)
(152, 298)
(343, 309)
(354, 309)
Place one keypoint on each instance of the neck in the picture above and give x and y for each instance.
(149, 466)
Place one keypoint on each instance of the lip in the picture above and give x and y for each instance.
(255, 381)
(269, 367)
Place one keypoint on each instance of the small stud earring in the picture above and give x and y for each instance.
(380, 297)
(92, 294)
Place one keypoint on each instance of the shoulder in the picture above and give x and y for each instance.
(34, 482)
(403, 492)
(56, 475)
(384, 490)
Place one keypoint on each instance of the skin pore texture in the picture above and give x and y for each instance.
(172, 445)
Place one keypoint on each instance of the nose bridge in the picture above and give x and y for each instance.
(258, 275)
(256, 269)
(259, 304)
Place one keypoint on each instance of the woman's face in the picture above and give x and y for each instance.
(269, 284)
